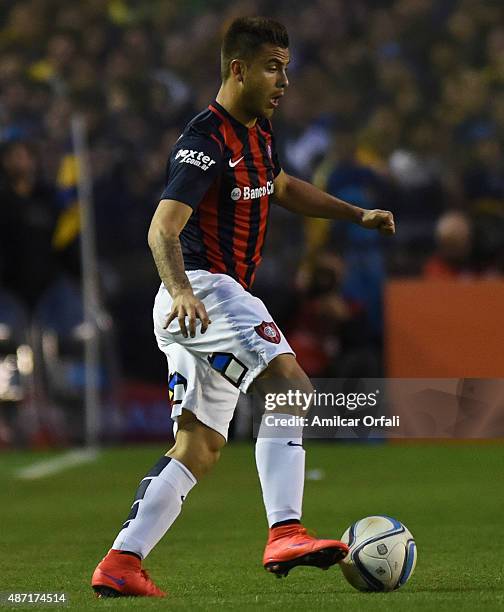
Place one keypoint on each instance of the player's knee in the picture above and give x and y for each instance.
(283, 376)
(285, 371)
(198, 448)
(208, 459)
(198, 459)
(210, 450)
(284, 367)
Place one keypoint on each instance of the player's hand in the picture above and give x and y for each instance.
(186, 304)
(382, 220)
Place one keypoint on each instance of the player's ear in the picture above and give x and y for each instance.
(237, 67)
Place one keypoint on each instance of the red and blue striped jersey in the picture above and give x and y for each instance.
(224, 171)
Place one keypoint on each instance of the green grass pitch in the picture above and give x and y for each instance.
(53, 531)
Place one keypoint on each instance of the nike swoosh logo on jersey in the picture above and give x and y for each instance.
(232, 163)
(291, 443)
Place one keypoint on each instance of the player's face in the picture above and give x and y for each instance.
(265, 80)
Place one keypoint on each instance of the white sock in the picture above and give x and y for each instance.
(158, 502)
(281, 464)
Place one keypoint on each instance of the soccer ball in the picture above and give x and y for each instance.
(382, 554)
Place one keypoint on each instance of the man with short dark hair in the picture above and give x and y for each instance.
(206, 237)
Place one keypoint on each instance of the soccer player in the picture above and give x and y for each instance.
(206, 237)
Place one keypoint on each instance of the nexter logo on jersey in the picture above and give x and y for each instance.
(251, 193)
(195, 158)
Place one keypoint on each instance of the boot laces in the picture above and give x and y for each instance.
(303, 531)
(308, 532)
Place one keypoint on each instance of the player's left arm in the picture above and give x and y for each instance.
(301, 197)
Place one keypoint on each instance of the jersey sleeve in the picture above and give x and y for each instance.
(194, 164)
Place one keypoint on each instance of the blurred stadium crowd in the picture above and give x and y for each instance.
(395, 104)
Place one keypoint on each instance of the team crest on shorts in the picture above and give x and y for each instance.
(268, 331)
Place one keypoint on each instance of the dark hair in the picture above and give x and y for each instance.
(246, 35)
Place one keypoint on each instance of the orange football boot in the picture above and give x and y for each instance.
(119, 575)
(291, 545)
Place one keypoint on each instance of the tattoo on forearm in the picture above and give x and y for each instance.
(167, 254)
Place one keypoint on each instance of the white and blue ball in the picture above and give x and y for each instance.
(382, 554)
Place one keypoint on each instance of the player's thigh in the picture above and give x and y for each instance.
(242, 339)
(286, 367)
(196, 389)
(285, 378)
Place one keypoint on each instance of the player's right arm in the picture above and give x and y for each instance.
(194, 164)
(167, 223)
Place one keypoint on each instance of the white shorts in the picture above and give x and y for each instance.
(207, 372)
